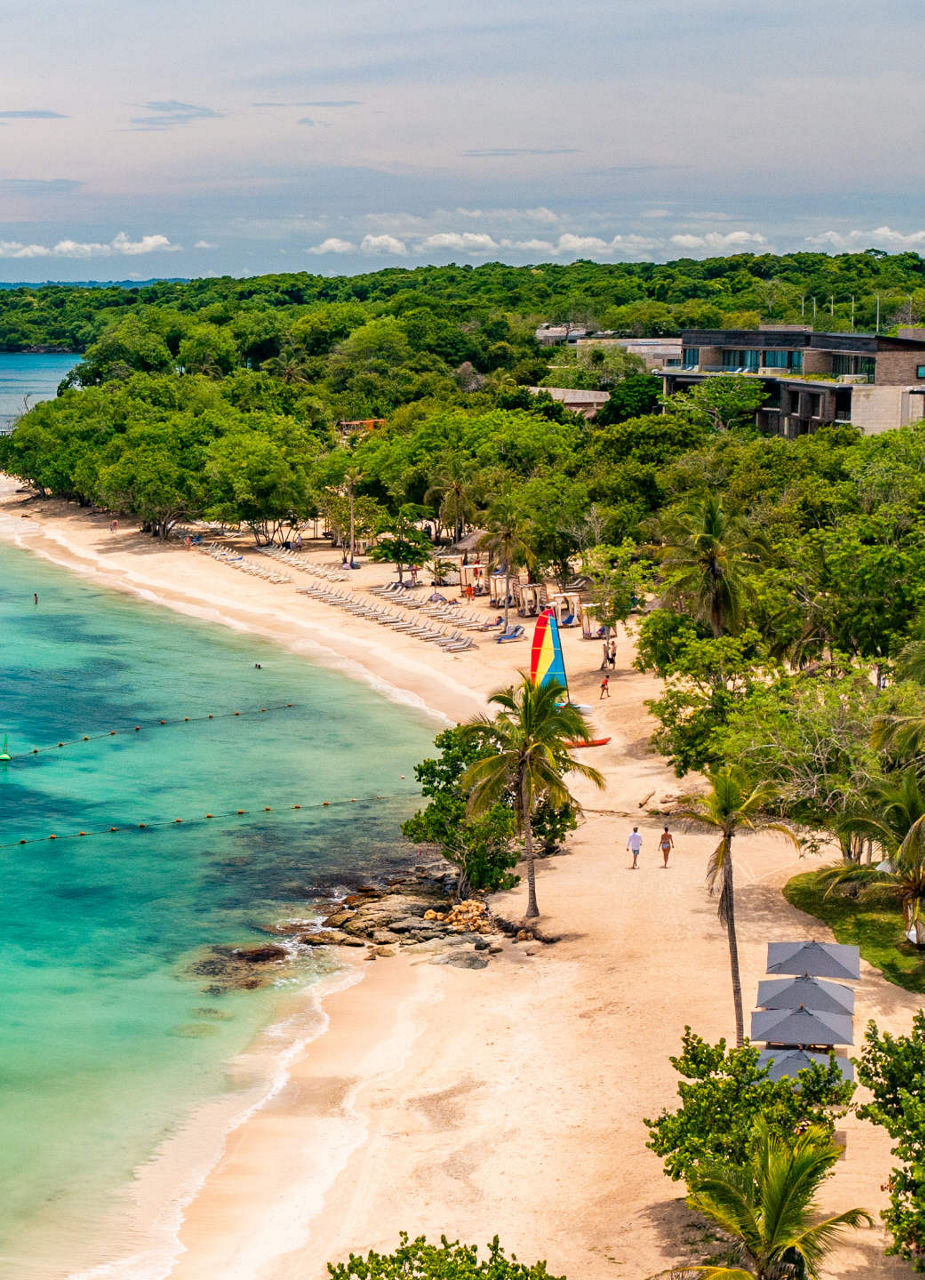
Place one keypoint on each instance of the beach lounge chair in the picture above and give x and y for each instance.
(514, 634)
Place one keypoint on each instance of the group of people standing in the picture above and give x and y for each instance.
(608, 664)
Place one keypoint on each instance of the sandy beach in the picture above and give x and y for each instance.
(508, 1100)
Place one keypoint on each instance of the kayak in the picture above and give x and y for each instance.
(588, 742)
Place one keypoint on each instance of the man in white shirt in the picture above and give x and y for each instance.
(634, 844)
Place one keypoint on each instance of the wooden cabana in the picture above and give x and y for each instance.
(531, 599)
(567, 605)
(472, 576)
(496, 585)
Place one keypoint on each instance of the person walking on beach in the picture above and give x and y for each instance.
(666, 844)
(605, 687)
(634, 844)
(612, 655)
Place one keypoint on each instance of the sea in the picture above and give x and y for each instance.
(26, 379)
(113, 1032)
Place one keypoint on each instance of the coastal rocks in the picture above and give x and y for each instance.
(238, 968)
(413, 913)
(260, 955)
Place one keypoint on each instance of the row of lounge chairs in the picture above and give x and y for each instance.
(296, 561)
(437, 606)
(237, 561)
(451, 641)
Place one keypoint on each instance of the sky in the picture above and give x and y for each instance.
(143, 138)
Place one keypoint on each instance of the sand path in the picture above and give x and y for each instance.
(508, 1100)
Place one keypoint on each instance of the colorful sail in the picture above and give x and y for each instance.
(546, 661)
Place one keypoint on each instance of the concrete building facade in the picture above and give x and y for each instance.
(813, 379)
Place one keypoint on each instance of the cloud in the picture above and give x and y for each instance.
(171, 114)
(32, 115)
(319, 102)
(38, 186)
(464, 241)
(656, 213)
(334, 245)
(119, 246)
(205, 244)
(383, 244)
(880, 236)
(720, 240)
(507, 152)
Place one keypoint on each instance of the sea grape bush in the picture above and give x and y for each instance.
(724, 1091)
(418, 1260)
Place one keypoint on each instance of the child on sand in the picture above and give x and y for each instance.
(605, 687)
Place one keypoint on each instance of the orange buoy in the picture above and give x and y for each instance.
(237, 713)
(113, 828)
(211, 717)
(60, 744)
(52, 837)
(297, 806)
(325, 803)
(178, 819)
(163, 721)
(240, 811)
(112, 733)
(86, 739)
(267, 809)
(142, 825)
(186, 719)
(81, 833)
(22, 842)
(138, 728)
(208, 815)
(35, 751)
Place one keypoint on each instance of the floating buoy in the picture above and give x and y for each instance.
(138, 728)
(178, 819)
(22, 842)
(52, 837)
(240, 811)
(60, 744)
(186, 719)
(208, 815)
(142, 825)
(354, 800)
(211, 717)
(5, 753)
(237, 713)
(86, 739)
(113, 828)
(267, 809)
(35, 751)
(112, 733)
(163, 722)
(81, 833)
(325, 803)
(297, 806)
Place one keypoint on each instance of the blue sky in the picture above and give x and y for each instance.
(151, 137)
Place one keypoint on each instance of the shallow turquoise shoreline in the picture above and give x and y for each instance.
(110, 1042)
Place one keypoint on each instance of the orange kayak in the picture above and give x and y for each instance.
(588, 742)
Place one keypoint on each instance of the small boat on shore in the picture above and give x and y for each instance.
(587, 742)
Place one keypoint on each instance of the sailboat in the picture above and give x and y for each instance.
(547, 665)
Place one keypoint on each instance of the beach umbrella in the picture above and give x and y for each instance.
(789, 1062)
(805, 993)
(801, 1026)
(818, 959)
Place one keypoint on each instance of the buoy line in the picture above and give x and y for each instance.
(200, 819)
(139, 725)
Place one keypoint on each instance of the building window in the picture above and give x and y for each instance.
(862, 365)
(691, 357)
(782, 359)
(867, 365)
(737, 359)
(920, 371)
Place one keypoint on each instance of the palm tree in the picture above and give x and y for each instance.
(453, 488)
(506, 538)
(706, 552)
(769, 1208)
(530, 734)
(729, 807)
(352, 477)
(901, 881)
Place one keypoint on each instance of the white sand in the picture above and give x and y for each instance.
(508, 1100)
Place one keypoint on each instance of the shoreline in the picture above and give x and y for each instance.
(507, 1100)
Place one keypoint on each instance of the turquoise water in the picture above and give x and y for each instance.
(29, 378)
(108, 1039)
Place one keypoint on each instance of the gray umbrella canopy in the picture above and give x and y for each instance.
(806, 993)
(818, 959)
(800, 1026)
(789, 1062)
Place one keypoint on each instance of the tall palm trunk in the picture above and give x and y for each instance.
(526, 814)
(729, 915)
(353, 540)
(507, 592)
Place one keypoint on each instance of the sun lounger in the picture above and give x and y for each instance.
(514, 634)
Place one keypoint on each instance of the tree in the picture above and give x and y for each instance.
(529, 760)
(633, 396)
(453, 488)
(418, 1260)
(481, 847)
(729, 807)
(257, 479)
(706, 554)
(720, 403)
(893, 1069)
(769, 1207)
(619, 579)
(723, 1091)
(401, 542)
(903, 881)
(506, 538)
